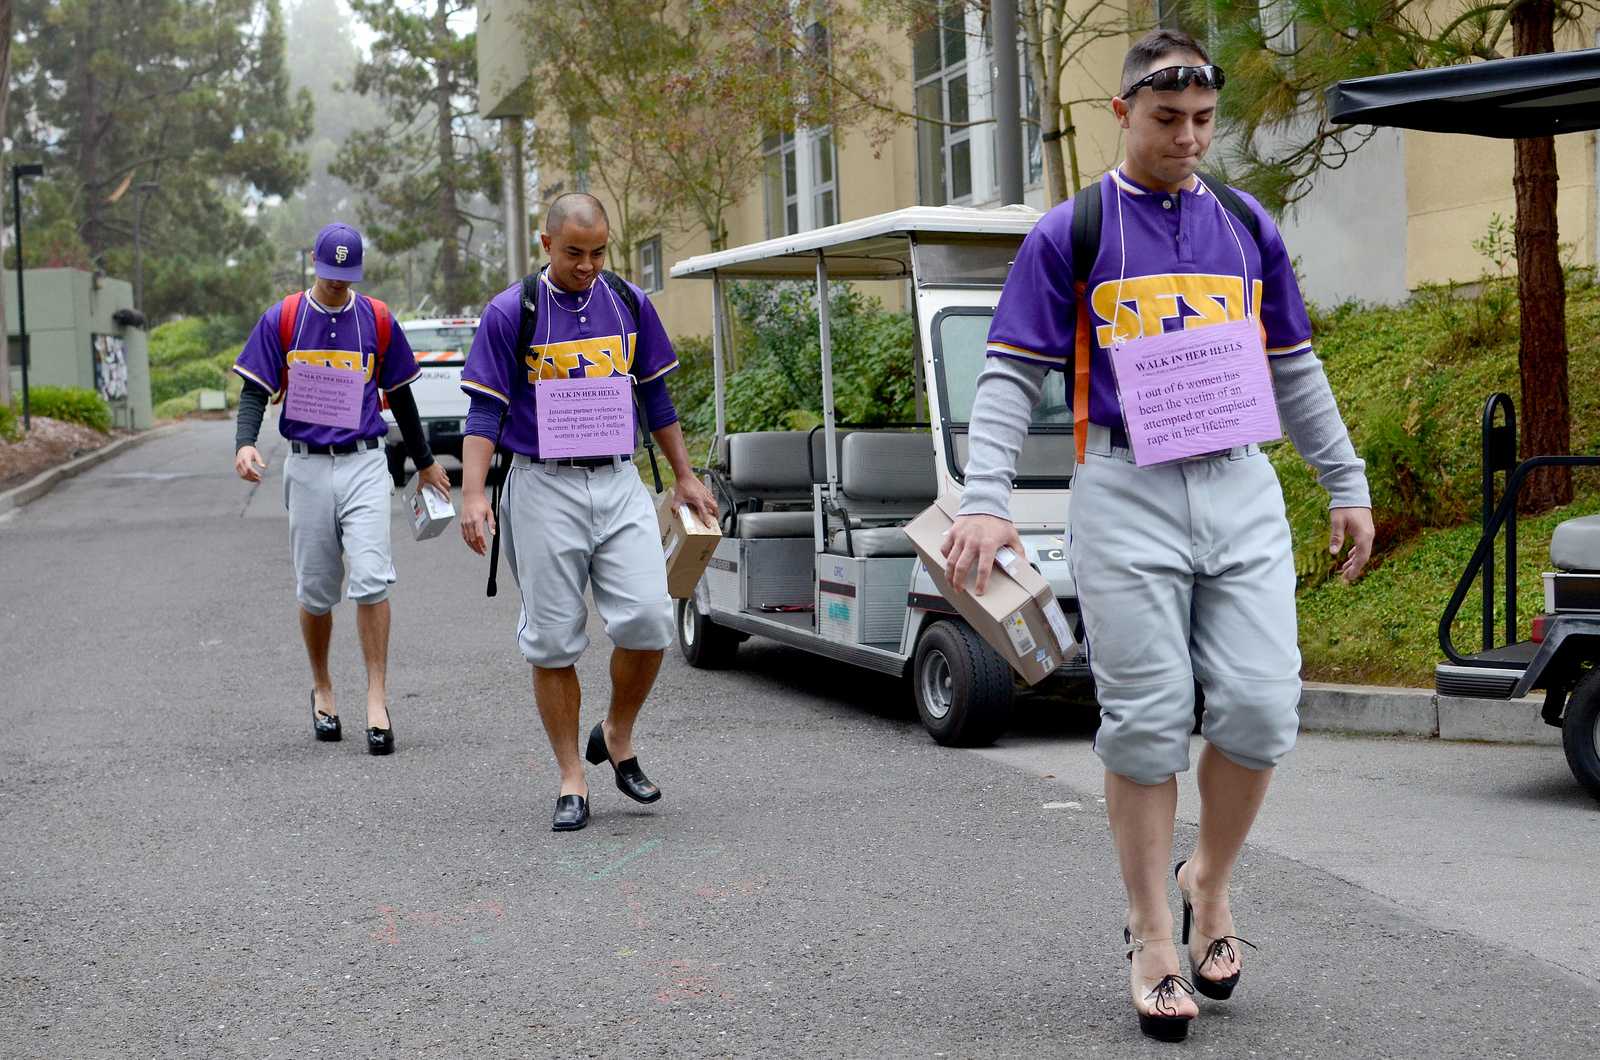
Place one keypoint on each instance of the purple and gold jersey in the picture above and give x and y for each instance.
(1186, 261)
(338, 338)
(577, 335)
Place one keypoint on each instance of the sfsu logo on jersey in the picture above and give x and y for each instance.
(581, 358)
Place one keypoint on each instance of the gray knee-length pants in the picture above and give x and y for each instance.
(1184, 571)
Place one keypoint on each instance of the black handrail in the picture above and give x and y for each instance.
(1507, 505)
(1499, 454)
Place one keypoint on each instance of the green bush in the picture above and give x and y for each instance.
(171, 382)
(178, 407)
(178, 341)
(10, 429)
(71, 404)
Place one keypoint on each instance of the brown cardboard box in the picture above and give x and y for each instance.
(1017, 614)
(686, 543)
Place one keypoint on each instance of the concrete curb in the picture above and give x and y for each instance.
(46, 481)
(1423, 712)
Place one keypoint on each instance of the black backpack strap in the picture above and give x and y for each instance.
(527, 321)
(1086, 210)
(1231, 202)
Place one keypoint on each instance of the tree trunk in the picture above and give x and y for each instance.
(447, 222)
(5, 96)
(90, 131)
(1047, 85)
(1543, 355)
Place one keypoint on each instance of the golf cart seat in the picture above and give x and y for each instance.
(885, 479)
(768, 469)
(1575, 546)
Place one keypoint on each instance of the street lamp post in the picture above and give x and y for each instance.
(18, 171)
(143, 190)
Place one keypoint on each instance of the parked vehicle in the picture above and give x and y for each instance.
(441, 346)
(813, 554)
(1535, 95)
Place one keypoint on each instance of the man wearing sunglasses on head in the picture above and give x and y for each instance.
(1179, 544)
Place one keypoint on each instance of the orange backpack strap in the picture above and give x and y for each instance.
(288, 312)
(385, 328)
(1080, 372)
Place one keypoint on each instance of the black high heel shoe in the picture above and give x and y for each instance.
(631, 780)
(380, 741)
(325, 726)
(1163, 1023)
(1220, 950)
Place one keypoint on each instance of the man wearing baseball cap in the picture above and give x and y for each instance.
(325, 353)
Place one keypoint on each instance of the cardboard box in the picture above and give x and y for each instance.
(687, 544)
(429, 512)
(1017, 615)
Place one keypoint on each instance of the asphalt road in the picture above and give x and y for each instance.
(186, 873)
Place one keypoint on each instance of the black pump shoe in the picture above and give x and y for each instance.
(572, 813)
(380, 741)
(631, 780)
(325, 726)
(1162, 1023)
(1219, 950)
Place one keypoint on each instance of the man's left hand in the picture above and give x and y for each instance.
(1355, 526)
(697, 496)
(434, 476)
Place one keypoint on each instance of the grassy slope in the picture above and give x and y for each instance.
(1420, 373)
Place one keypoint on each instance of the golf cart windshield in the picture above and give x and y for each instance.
(960, 338)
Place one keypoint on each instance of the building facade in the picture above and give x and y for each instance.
(1402, 213)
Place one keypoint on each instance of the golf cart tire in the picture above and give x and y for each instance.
(704, 644)
(963, 688)
(1580, 732)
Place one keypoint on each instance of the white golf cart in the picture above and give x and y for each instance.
(813, 555)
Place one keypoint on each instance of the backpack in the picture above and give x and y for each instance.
(1087, 209)
(289, 312)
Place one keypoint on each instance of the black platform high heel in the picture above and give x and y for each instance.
(324, 726)
(1163, 1024)
(380, 741)
(631, 780)
(1220, 950)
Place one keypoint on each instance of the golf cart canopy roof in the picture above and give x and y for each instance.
(872, 248)
(1532, 95)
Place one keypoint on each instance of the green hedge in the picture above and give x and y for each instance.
(72, 404)
(10, 428)
(170, 383)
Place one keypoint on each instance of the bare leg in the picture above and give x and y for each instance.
(632, 675)
(1230, 797)
(372, 622)
(317, 632)
(1141, 827)
(558, 695)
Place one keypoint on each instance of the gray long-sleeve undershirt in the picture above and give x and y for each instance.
(1009, 389)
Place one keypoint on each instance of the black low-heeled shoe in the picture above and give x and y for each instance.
(380, 741)
(572, 813)
(1163, 1024)
(631, 780)
(324, 726)
(1220, 950)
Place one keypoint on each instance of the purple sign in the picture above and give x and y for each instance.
(584, 417)
(331, 397)
(1186, 393)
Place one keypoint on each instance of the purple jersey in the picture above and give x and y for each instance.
(339, 338)
(577, 336)
(1186, 260)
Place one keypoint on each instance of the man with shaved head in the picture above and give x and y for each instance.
(575, 514)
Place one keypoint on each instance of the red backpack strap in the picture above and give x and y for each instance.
(288, 312)
(385, 328)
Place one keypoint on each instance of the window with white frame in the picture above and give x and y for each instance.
(801, 180)
(650, 273)
(944, 144)
(782, 184)
(824, 180)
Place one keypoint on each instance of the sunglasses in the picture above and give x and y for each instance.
(1178, 78)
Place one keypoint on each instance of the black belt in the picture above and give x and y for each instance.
(338, 449)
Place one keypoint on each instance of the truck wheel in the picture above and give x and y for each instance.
(396, 455)
(1580, 732)
(704, 644)
(962, 686)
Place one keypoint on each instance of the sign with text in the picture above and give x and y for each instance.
(328, 396)
(1187, 393)
(584, 417)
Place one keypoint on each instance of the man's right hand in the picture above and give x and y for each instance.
(477, 521)
(971, 544)
(247, 463)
